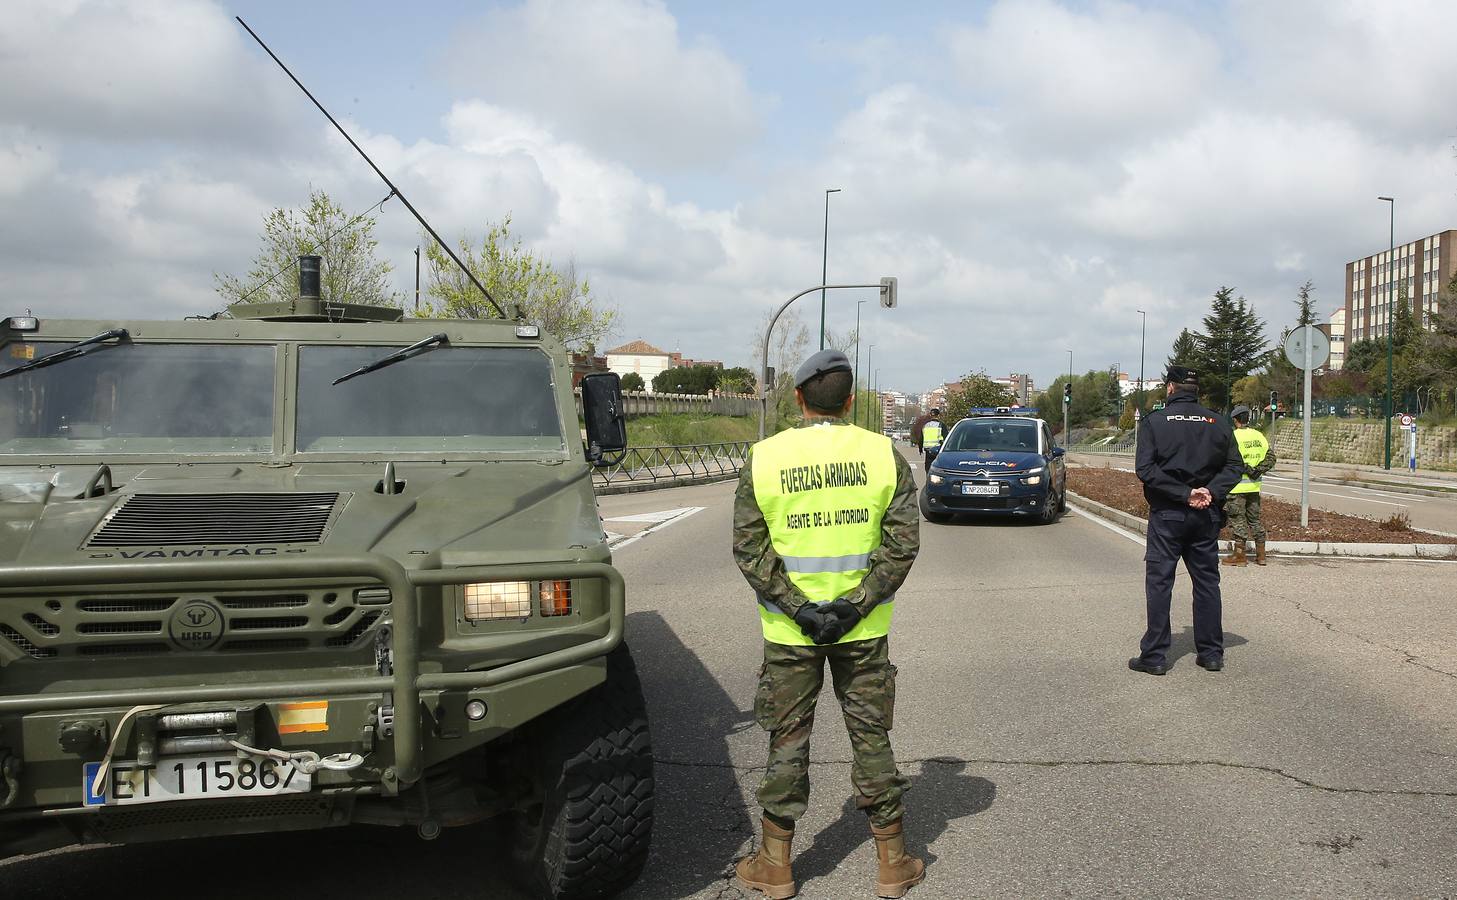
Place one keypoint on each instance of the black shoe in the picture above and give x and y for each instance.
(1138, 665)
(1212, 663)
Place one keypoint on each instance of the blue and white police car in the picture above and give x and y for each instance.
(998, 461)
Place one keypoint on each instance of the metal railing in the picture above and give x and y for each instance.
(654, 464)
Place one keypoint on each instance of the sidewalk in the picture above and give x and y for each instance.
(1424, 481)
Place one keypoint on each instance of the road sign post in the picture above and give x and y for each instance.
(1307, 348)
(1413, 454)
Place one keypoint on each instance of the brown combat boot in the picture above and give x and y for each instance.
(1259, 553)
(899, 871)
(768, 870)
(1236, 556)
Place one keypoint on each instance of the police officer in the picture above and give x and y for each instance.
(1243, 507)
(1188, 462)
(825, 531)
(932, 433)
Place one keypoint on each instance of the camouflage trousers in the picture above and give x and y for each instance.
(1244, 516)
(789, 687)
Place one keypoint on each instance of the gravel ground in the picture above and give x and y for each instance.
(1122, 490)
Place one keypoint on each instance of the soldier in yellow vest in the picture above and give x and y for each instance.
(1243, 505)
(825, 531)
(932, 434)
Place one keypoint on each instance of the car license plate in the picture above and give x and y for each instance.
(981, 489)
(193, 778)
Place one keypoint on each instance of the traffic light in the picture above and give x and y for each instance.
(1274, 401)
(1067, 393)
(888, 293)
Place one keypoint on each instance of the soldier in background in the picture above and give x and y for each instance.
(825, 531)
(1243, 507)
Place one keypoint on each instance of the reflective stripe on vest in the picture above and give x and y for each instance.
(823, 490)
(1252, 448)
(931, 435)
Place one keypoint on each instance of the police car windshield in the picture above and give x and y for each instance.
(1015, 435)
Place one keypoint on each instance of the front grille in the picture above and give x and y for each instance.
(151, 520)
(116, 823)
(323, 618)
(982, 502)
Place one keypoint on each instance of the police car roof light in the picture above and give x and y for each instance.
(1028, 411)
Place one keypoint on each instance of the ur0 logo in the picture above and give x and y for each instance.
(198, 625)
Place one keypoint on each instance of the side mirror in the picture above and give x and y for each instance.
(1058, 452)
(603, 415)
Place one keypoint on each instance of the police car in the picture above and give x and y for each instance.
(997, 462)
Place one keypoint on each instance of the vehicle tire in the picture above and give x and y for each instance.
(930, 515)
(1050, 509)
(589, 836)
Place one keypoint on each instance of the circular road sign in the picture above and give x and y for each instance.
(1320, 346)
(1405, 420)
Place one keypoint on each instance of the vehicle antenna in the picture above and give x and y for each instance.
(383, 177)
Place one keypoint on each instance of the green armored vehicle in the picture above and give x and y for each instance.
(298, 569)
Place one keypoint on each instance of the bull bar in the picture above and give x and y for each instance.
(406, 682)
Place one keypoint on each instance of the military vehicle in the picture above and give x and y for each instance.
(308, 566)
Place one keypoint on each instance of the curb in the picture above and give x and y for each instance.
(1294, 548)
(637, 487)
(1392, 486)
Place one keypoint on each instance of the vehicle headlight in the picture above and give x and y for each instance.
(936, 479)
(497, 600)
(1032, 479)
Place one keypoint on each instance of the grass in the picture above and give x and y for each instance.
(1397, 521)
(680, 429)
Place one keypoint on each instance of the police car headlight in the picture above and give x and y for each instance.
(937, 479)
(1032, 479)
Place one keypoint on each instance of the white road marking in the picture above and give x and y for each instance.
(653, 517)
(680, 515)
(1119, 529)
(1295, 490)
(1388, 494)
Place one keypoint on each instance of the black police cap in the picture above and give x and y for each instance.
(1182, 375)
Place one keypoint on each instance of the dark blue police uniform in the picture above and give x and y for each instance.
(1180, 448)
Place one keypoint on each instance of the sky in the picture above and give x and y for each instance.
(1033, 172)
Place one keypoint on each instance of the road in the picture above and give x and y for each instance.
(1322, 762)
(1433, 513)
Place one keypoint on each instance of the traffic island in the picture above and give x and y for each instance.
(1117, 496)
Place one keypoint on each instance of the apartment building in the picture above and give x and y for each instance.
(1420, 269)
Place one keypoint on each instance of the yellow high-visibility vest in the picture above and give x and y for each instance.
(823, 490)
(931, 435)
(1252, 447)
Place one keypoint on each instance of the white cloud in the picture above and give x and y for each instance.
(614, 72)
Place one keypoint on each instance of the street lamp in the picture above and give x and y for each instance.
(1066, 435)
(1142, 340)
(1390, 296)
(825, 263)
(855, 399)
(879, 404)
(869, 355)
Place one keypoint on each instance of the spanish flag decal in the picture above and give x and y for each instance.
(303, 718)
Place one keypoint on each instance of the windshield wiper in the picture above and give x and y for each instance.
(80, 348)
(433, 342)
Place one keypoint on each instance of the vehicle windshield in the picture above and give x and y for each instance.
(1017, 435)
(464, 399)
(139, 398)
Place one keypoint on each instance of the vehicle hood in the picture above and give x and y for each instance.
(446, 514)
(970, 462)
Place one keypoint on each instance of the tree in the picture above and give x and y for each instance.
(548, 294)
(632, 381)
(787, 348)
(349, 273)
(1232, 345)
(975, 390)
(686, 380)
(738, 380)
(1125, 421)
(1306, 305)
(1185, 352)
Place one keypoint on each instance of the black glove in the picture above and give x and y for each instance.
(810, 619)
(840, 617)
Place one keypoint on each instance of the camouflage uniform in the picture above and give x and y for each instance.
(1243, 510)
(860, 671)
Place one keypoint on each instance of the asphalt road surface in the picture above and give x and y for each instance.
(1321, 763)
